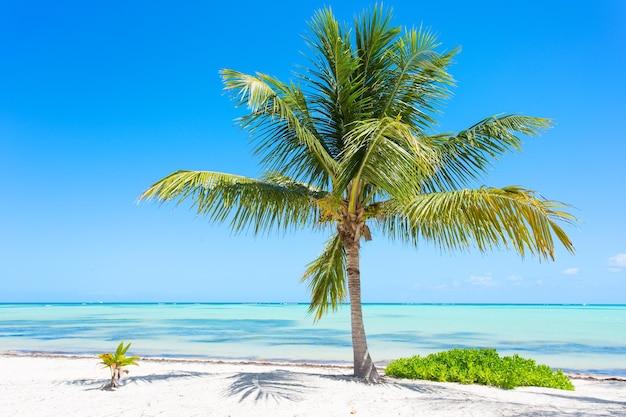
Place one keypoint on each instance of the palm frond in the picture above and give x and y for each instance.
(335, 92)
(467, 155)
(387, 154)
(374, 34)
(487, 218)
(416, 79)
(326, 278)
(286, 138)
(250, 204)
(394, 224)
(279, 179)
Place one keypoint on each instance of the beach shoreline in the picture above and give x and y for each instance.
(600, 375)
(591, 376)
(55, 385)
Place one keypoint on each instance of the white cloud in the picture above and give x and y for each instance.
(571, 271)
(447, 285)
(618, 261)
(516, 280)
(482, 280)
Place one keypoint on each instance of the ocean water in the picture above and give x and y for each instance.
(584, 338)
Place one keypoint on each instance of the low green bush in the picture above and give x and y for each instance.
(479, 366)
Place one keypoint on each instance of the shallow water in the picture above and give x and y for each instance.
(585, 338)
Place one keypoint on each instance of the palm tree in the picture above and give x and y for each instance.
(352, 147)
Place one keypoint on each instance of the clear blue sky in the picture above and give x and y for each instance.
(98, 100)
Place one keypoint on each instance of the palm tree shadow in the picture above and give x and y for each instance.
(93, 384)
(263, 386)
(167, 376)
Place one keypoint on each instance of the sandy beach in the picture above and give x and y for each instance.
(49, 385)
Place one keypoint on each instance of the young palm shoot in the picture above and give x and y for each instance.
(116, 361)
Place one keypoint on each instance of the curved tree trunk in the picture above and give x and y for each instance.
(363, 364)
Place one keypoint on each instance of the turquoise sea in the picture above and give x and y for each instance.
(579, 338)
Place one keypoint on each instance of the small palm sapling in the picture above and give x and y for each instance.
(116, 361)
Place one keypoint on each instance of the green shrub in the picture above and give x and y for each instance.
(479, 366)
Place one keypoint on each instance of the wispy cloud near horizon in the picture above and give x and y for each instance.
(485, 280)
(571, 271)
(617, 263)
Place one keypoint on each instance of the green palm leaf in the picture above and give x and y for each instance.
(467, 155)
(326, 277)
(510, 217)
(336, 92)
(374, 35)
(248, 203)
(388, 154)
(417, 81)
(287, 140)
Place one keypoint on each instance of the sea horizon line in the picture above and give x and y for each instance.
(296, 303)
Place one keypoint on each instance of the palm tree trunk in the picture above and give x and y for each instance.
(363, 364)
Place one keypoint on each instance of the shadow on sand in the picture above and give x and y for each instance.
(276, 385)
(98, 384)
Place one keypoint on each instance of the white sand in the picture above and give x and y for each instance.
(73, 386)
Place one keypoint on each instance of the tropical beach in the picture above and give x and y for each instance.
(372, 252)
(55, 386)
(224, 360)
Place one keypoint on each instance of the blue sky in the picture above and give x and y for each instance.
(98, 100)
